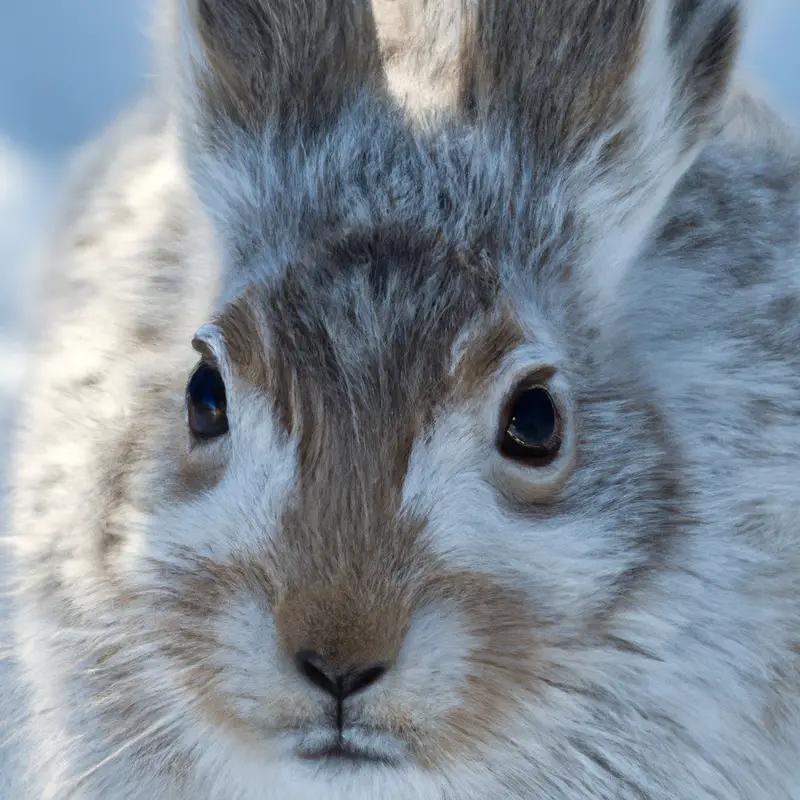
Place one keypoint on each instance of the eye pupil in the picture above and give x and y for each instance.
(534, 419)
(206, 402)
(533, 430)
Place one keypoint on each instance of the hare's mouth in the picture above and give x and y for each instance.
(341, 752)
(354, 745)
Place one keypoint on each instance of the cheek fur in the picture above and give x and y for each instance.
(257, 682)
(566, 562)
(499, 671)
(575, 554)
(240, 513)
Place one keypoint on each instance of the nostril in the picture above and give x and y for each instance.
(340, 683)
(359, 679)
(314, 669)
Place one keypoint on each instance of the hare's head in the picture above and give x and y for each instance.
(416, 473)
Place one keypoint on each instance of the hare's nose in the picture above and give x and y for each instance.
(338, 682)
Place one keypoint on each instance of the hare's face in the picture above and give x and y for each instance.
(400, 507)
(416, 475)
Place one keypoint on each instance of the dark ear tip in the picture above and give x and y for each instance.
(203, 14)
(713, 57)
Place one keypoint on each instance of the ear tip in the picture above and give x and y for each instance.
(259, 59)
(713, 51)
(696, 19)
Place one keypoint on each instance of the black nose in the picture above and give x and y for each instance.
(337, 682)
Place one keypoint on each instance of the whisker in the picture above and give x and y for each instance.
(157, 727)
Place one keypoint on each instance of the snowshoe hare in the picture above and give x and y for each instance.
(416, 416)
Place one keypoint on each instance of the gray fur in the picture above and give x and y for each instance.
(370, 268)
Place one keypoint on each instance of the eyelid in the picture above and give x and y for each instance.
(203, 348)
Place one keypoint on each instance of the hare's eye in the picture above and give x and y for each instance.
(533, 428)
(205, 400)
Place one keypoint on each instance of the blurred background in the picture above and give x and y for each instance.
(68, 66)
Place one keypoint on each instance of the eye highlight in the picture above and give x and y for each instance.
(533, 427)
(206, 403)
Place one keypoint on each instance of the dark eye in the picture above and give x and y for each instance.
(534, 427)
(205, 399)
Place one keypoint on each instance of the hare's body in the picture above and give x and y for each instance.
(620, 619)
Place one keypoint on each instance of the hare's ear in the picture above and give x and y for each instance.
(255, 86)
(571, 72)
(256, 63)
(617, 96)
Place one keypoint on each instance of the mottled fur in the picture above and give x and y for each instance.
(376, 233)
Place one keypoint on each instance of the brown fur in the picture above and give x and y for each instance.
(347, 571)
(503, 665)
(394, 364)
(500, 335)
(307, 57)
(352, 620)
(374, 275)
(555, 69)
(244, 343)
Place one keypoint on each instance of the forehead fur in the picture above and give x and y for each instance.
(355, 345)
